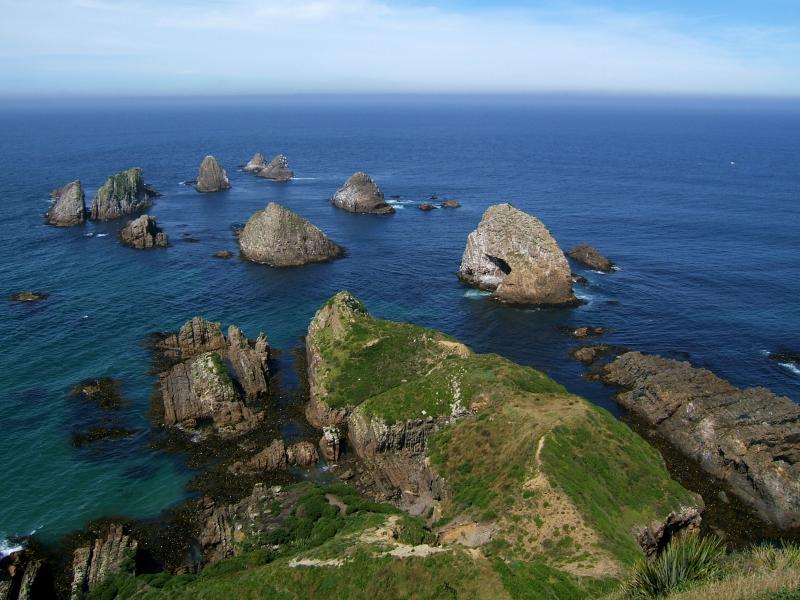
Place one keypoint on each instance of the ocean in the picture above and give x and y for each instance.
(698, 202)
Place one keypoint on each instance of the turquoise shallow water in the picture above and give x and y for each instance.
(699, 205)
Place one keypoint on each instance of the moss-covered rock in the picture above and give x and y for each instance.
(122, 194)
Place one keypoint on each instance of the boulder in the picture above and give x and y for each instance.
(360, 194)
(590, 257)
(122, 194)
(277, 169)
(748, 438)
(450, 204)
(142, 233)
(586, 331)
(223, 254)
(212, 177)
(513, 254)
(281, 238)
(68, 206)
(302, 454)
(106, 556)
(256, 163)
(653, 538)
(425, 207)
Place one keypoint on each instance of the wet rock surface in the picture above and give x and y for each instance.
(28, 296)
(360, 194)
(748, 438)
(512, 254)
(143, 233)
(590, 257)
(68, 206)
(122, 194)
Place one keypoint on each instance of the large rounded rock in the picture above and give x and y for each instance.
(277, 170)
(68, 206)
(143, 233)
(513, 254)
(360, 194)
(212, 177)
(122, 194)
(281, 238)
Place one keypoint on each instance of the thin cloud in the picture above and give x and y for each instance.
(247, 46)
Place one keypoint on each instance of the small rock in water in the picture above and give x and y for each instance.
(28, 296)
(223, 254)
(589, 256)
(105, 392)
(143, 233)
(785, 357)
(586, 331)
(425, 207)
(360, 194)
(450, 204)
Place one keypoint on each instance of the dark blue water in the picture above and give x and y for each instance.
(699, 204)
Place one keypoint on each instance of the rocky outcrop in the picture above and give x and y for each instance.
(590, 257)
(227, 529)
(331, 443)
(655, 537)
(24, 577)
(216, 379)
(360, 194)
(394, 455)
(107, 556)
(212, 177)
(278, 237)
(591, 354)
(277, 169)
(122, 194)
(450, 204)
(278, 456)
(785, 357)
(255, 164)
(749, 438)
(68, 206)
(143, 233)
(223, 254)
(28, 296)
(105, 392)
(425, 207)
(585, 331)
(513, 254)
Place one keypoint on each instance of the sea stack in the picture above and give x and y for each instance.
(589, 256)
(255, 164)
(212, 177)
(143, 233)
(513, 254)
(122, 194)
(277, 170)
(68, 206)
(278, 237)
(360, 194)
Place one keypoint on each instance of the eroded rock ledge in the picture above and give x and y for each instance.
(749, 438)
(217, 379)
(513, 255)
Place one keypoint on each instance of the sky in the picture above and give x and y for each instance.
(205, 47)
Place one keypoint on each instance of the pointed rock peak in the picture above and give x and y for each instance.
(256, 163)
(68, 206)
(359, 177)
(212, 177)
(277, 170)
(280, 237)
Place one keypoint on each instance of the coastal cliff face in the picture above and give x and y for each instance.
(68, 206)
(211, 177)
(215, 379)
(105, 557)
(749, 438)
(277, 169)
(122, 194)
(143, 233)
(482, 444)
(360, 194)
(281, 238)
(512, 254)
